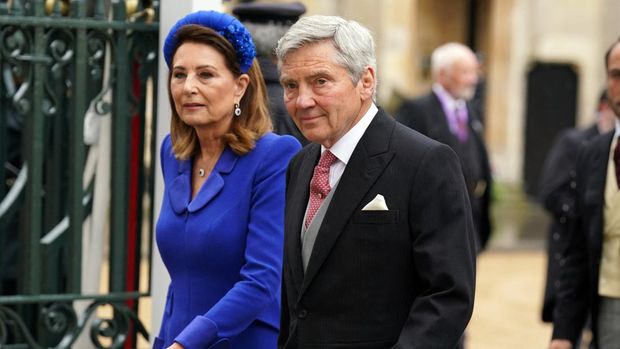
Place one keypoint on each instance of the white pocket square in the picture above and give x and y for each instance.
(377, 204)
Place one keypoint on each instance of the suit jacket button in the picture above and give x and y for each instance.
(302, 313)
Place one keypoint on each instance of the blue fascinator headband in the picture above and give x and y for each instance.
(225, 25)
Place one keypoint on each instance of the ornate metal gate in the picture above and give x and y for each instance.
(76, 121)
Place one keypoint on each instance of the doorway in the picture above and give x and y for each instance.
(550, 107)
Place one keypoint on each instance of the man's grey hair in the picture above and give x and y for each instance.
(355, 47)
(444, 56)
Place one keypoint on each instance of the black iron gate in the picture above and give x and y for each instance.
(76, 120)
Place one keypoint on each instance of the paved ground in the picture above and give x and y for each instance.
(510, 277)
(508, 300)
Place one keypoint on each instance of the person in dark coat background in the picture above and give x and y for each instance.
(267, 23)
(557, 183)
(445, 114)
(590, 277)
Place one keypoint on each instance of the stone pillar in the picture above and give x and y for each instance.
(506, 87)
(395, 50)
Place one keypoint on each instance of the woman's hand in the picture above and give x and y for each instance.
(176, 345)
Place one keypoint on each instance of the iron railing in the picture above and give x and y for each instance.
(66, 66)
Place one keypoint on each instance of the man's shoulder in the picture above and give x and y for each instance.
(599, 143)
(307, 150)
(576, 136)
(596, 148)
(409, 140)
(417, 154)
(417, 112)
(425, 101)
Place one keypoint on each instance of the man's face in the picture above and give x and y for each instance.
(613, 80)
(461, 78)
(320, 95)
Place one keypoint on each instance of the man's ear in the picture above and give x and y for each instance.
(368, 83)
(442, 76)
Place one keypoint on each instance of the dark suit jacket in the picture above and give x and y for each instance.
(557, 194)
(578, 289)
(425, 115)
(402, 278)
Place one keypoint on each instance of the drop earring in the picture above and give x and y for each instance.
(237, 110)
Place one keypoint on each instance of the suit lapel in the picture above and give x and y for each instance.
(598, 177)
(367, 162)
(595, 187)
(296, 208)
(440, 120)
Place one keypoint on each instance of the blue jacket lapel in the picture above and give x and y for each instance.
(180, 189)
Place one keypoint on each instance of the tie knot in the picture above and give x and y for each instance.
(459, 111)
(327, 159)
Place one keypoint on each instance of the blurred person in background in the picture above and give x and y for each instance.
(220, 229)
(557, 184)
(478, 101)
(590, 277)
(445, 115)
(267, 22)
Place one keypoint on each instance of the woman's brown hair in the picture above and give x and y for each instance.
(245, 129)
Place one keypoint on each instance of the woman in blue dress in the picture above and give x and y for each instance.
(220, 229)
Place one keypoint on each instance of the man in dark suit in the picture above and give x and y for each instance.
(379, 243)
(445, 115)
(590, 278)
(557, 189)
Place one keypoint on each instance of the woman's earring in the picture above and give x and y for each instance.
(237, 110)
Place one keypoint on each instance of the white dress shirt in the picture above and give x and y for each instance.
(345, 146)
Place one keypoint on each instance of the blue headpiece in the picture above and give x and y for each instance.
(225, 25)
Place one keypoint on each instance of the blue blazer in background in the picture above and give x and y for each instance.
(223, 248)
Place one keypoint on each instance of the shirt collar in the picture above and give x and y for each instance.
(446, 98)
(617, 128)
(344, 147)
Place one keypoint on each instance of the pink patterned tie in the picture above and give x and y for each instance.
(319, 185)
